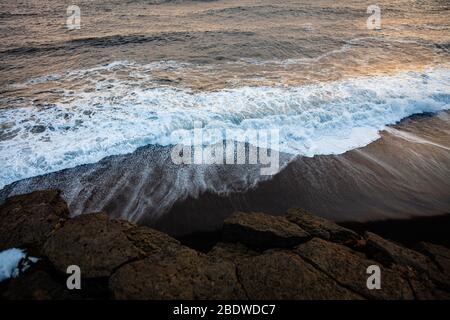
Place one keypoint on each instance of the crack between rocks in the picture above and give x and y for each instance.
(114, 270)
(315, 266)
(239, 281)
(412, 288)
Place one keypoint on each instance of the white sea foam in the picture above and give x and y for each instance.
(13, 261)
(119, 116)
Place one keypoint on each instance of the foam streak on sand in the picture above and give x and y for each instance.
(119, 116)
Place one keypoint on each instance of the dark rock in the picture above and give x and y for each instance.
(424, 289)
(320, 227)
(36, 285)
(389, 252)
(284, 275)
(261, 231)
(439, 254)
(92, 242)
(26, 221)
(121, 260)
(350, 270)
(151, 241)
(231, 251)
(184, 275)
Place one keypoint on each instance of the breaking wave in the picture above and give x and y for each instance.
(116, 116)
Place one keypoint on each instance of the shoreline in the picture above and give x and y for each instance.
(403, 174)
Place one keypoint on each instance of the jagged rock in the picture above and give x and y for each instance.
(284, 275)
(91, 242)
(320, 227)
(262, 231)
(121, 260)
(26, 221)
(439, 254)
(350, 270)
(184, 275)
(388, 252)
(150, 240)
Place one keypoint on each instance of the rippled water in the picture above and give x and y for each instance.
(137, 71)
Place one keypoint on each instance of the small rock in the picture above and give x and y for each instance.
(320, 227)
(150, 240)
(389, 252)
(261, 231)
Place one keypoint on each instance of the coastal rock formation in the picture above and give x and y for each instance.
(281, 274)
(184, 275)
(27, 220)
(295, 256)
(439, 254)
(91, 242)
(320, 227)
(349, 269)
(258, 230)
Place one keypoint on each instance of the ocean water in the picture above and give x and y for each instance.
(119, 116)
(142, 73)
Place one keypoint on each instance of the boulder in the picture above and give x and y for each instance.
(261, 231)
(26, 221)
(151, 241)
(350, 270)
(389, 252)
(439, 254)
(184, 275)
(92, 242)
(320, 227)
(284, 275)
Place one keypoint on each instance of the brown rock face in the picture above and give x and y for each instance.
(321, 228)
(91, 242)
(298, 256)
(350, 270)
(262, 231)
(26, 221)
(439, 254)
(184, 275)
(389, 252)
(284, 275)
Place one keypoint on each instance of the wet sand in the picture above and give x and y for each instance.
(404, 174)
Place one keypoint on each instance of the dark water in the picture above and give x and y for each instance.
(101, 103)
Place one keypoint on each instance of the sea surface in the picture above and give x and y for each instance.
(364, 131)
